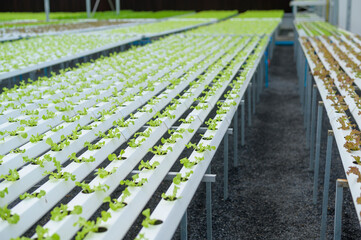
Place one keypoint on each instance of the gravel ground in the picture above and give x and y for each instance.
(271, 192)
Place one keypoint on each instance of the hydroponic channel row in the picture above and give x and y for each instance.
(124, 134)
(178, 196)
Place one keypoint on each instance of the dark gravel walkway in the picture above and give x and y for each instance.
(271, 192)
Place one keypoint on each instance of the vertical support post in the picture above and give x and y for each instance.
(302, 87)
(266, 68)
(305, 106)
(308, 108)
(88, 8)
(209, 206)
(340, 185)
(242, 123)
(294, 11)
(313, 123)
(326, 184)
(225, 166)
(235, 139)
(254, 86)
(117, 6)
(249, 92)
(184, 224)
(47, 9)
(45, 72)
(318, 149)
(259, 83)
(348, 15)
(32, 75)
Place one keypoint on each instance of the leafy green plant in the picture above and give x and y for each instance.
(102, 173)
(158, 150)
(189, 164)
(172, 139)
(4, 192)
(147, 165)
(179, 178)
(87, 189)
(60, 175)
(90, 226)
(17, 150)
(133, 144)
(30, 112)
(36, 138)
(55, 129)
(83, 159)
(17, 132)
(155, 123)
(33, 195)
(112, 133)
(12, 176)
(83, 112)
(189, 120)
(49, 115)
(121, 123)
(64, 109)
(171, 197)
(59, 213)
(12, 120)
(113, 156)
(134, 182)
(92, 147)
(5, 214)
(115, 204)
(148, 221)
(70, 119)
(200, 147)
(57, 147)
(212, 125)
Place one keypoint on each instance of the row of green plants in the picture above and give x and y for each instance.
(24, 53)
(123, 14)
(340, 93)
(262, 14)
(101, 172)
(190, 165)
(234, 26)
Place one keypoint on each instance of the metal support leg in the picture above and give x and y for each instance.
(326, 185)
(47, 9)
(313, 123)
(308, 108)
(340, 185)
(266, 68)
(32, 75)
(45, 72)
(306, 96)
(249, 90)
(183, 228)
(302, 81)
(209, 206)
(259, 83)
(117, 6)
(254, 86)
(242, 124)
(88, 8)
(225, 167)
(318, 148)
(235, 139)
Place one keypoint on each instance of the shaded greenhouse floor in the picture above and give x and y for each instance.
(271, 191)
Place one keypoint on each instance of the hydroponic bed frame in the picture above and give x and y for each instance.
(329, 65)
